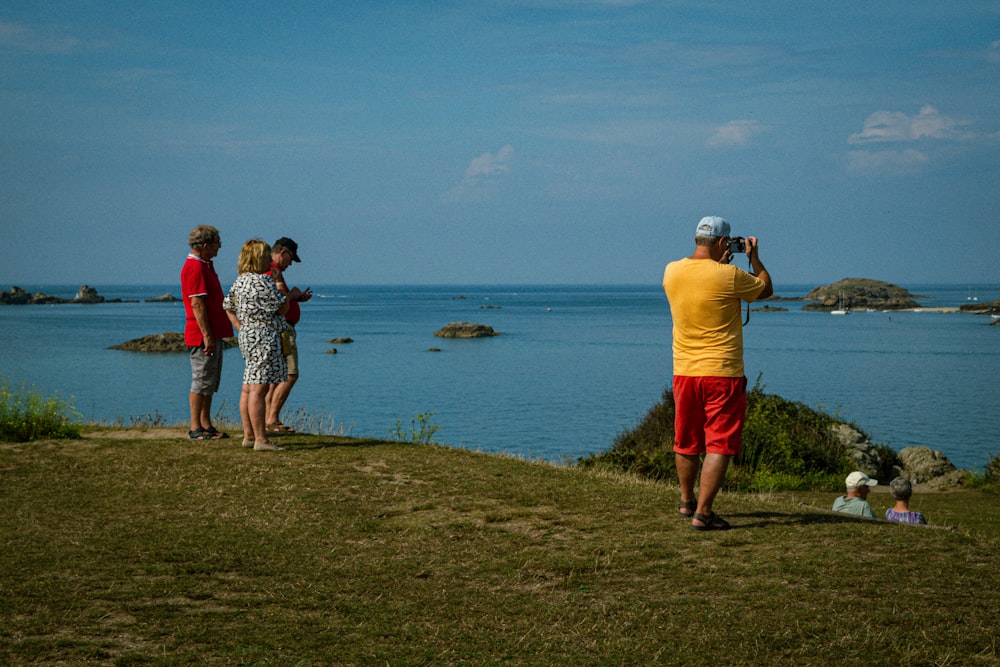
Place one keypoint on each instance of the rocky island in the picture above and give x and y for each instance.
(859, 294)
(171, 341)
(465, 330)
(17, 296)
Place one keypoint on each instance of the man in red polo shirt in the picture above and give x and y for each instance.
(205, 327)
(284, 251)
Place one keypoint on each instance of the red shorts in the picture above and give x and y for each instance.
(709, 415)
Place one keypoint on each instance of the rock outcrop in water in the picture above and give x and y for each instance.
(17, 296)
(166, 298)
(171, 341)
(465, 330)
(860, 294)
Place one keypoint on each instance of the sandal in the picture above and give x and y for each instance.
(712, 522)
(197, 435)
(278, 427)
(214, 434)
(691, 506)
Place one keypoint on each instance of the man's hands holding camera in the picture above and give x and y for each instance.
(739, 245)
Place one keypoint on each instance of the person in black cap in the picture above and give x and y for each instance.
(284, 251)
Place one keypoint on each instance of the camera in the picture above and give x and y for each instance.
(737, 245)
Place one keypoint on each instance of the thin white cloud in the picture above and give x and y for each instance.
(734, 133)
(896, 126)
(993, 53)
(483, 171)
(488, 164)
(26, 38)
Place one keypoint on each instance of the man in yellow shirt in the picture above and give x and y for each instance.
(705, 294)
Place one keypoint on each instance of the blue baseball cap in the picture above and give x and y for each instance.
(712, 225)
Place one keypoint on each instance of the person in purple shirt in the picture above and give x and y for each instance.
(901, 490)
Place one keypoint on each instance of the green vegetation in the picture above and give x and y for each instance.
(786, 446)
(421, 430)
(27, 415)
(135, 547)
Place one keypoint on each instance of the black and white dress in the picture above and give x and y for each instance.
(255, 300)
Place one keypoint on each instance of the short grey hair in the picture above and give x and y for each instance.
(203, 234)
(900, 488)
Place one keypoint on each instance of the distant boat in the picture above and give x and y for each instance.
(841, 309)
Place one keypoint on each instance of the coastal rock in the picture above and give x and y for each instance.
(983, 308)
(923, 465)
(864, 455)
(860, 294)
(166, 298)
(171, 341)
(17, 296)
(465, 330)
(87, 294)
(340, 341)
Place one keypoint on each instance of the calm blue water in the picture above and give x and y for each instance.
(574, 366)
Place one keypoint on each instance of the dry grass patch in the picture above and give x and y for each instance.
(141, 550)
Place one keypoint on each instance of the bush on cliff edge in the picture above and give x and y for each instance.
(786, 446)
(27, 415)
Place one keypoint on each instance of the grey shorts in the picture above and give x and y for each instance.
(206, 371)
(292, 359)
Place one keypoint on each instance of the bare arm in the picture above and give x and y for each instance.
(758, 268)
(200, 311)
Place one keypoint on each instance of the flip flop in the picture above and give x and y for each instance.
(712, 522)
(278, 427)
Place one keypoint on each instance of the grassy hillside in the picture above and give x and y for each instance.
(140, 547)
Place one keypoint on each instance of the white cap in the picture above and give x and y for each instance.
(858, 478)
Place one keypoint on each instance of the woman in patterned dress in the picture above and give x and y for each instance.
(256, 308)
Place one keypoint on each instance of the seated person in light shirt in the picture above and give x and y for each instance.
(855, 502)
(901, 490)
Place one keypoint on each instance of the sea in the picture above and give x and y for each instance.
(572, 367)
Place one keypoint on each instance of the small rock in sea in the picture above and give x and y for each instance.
(171, 341)
(465, 330)
(332, 350)
(166, 298)
(340, 341)
(434, 349)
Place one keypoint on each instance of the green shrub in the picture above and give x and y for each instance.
(992, 472)
(989, 480)
(421, 430)
(786, 446)
(27, 415)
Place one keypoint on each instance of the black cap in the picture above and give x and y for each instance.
(290, 245)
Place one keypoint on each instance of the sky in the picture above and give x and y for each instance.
(507, 142)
